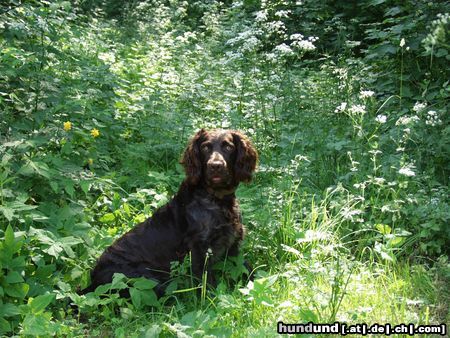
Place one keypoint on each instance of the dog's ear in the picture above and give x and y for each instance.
(246, 157)
(191, 158)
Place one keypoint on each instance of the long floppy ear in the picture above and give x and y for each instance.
(246, 157)
(191, 159)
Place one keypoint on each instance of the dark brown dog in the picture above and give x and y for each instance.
(202, 217)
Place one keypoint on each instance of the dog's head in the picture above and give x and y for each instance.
(219, 158)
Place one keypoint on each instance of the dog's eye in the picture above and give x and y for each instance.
(228, 147)
(205, 148)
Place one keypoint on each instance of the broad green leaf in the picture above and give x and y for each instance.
(45, 271)
(54, 185)
(118, 281)
(18, 290)
(153, 331)
(9, 236)
(14, 277)
(20, 206)
(383, 228)
(102, 289)
(36, 325)
(7, 212)
(395, 241)
(306, 315)
(39, 168)
(9, 310)
(70, 240)
(145, 284)
(85, 186)
(149, 298)
(387, 256)
(39, 303)
(54, 250)
(5, 326)
(69, 187)
(126, 208)
(17, 262)
(135, 295)
(107, 218)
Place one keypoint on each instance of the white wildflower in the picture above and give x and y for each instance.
(282, 13)
(349, 214)
(352, 44)
(107, 57)
(342, 73)
(341, 107)
(381, 119)
(404, 120)
(435, 200)
(297, 36)
(250, 44)
(386, 208)
(261, 16)
(237, 4)
(407, 171)
(379, 180)
(402, 42)
(360, 185)
(432, 118)
(271, 57)
(303, 45)
(277, 27)
(231, 56)
(419, 106)
(366, 94)
(284, 49)
(357, 109)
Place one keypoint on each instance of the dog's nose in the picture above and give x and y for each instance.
(217, 162)
(216, 165)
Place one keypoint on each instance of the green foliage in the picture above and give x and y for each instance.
(346, 102)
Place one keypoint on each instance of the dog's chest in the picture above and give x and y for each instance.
(216, 226)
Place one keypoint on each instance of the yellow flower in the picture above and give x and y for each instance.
(95, 132)
(90, 161)
(67, 125)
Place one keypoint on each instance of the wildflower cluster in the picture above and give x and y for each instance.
(299, 43)
(439, 34)
(406, 120)
(364, 94)
(407, 170)
(246, 41)
(419, 106)
(357, 109)
(432, 118)
(341, 108)
(381, 118)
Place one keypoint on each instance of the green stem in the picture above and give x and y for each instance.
(401, 79)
